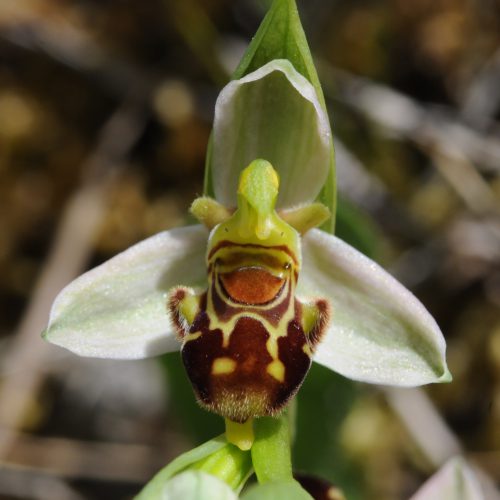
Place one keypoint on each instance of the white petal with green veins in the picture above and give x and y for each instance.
(118, 310)
(273, 113)
(379, 331)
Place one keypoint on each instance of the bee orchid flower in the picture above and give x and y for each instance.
(255, 292)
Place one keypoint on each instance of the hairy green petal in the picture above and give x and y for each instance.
(118, 309)
(379, 331)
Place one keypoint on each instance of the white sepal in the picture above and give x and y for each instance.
(274, 114)
(379, 331)
(118, 310)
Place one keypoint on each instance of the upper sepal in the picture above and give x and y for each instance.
(281, 36)
(272, 113)
(379, 331)
(118, 309)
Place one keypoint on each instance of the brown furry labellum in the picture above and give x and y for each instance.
(247, 341)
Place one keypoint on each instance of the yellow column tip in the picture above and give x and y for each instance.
(241, 435)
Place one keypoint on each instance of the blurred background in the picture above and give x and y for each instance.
(105, 112)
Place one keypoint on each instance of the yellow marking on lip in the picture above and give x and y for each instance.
(189, 307)
(273, 258)
(227, 327)
(223, 366)
(192, 336)
(272, 344)
(277, 370)
(307, 350)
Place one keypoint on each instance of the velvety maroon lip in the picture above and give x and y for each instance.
(251, 285)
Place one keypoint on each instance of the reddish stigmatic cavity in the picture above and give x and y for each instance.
(251, 285)
(249, 345)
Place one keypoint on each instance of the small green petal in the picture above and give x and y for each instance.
(306, 217)
(209, 212)
(118, 309)
(379, 331)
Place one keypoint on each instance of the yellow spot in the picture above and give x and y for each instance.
(277, 370)
(307, 350)
(192, 336)
(272, 344)
(223, 366)
(334, 493)
(310, 316)
(241, 435)
(189, 307)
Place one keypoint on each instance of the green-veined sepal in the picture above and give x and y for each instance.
(281, 36)
(118, 309)
(379, 331)
(273, 113)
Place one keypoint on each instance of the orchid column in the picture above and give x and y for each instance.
(256, 291)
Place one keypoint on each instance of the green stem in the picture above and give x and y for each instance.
(271, 451)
